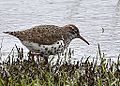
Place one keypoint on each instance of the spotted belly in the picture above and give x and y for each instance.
(57, 47)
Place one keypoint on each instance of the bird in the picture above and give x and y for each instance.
(48, 39)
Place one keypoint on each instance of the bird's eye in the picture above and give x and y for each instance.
(73, 32)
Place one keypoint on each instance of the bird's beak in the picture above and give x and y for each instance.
(83, 39)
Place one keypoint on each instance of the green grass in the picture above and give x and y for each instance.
(28, 72)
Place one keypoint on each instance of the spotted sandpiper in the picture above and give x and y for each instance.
(48, 39)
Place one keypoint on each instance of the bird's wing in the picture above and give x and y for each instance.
(39, 34)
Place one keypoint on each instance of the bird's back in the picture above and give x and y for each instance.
(43, 34)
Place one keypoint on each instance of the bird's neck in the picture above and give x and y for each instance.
(66, 36)
(67, 40)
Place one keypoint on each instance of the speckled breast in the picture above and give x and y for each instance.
(57, 47)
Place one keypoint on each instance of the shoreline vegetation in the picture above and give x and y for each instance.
(18, 71)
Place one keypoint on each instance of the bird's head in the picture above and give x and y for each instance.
(74, 32)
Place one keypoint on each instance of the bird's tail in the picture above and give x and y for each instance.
(10, 33)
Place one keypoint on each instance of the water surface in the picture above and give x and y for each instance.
(89, 15)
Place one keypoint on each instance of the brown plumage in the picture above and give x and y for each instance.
(43, 34)
(47, 35)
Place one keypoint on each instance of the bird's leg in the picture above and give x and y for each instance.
(41, 54)
(38, 58)
(31, 55)
(46, 60)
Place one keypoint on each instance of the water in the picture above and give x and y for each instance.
(89, 15)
